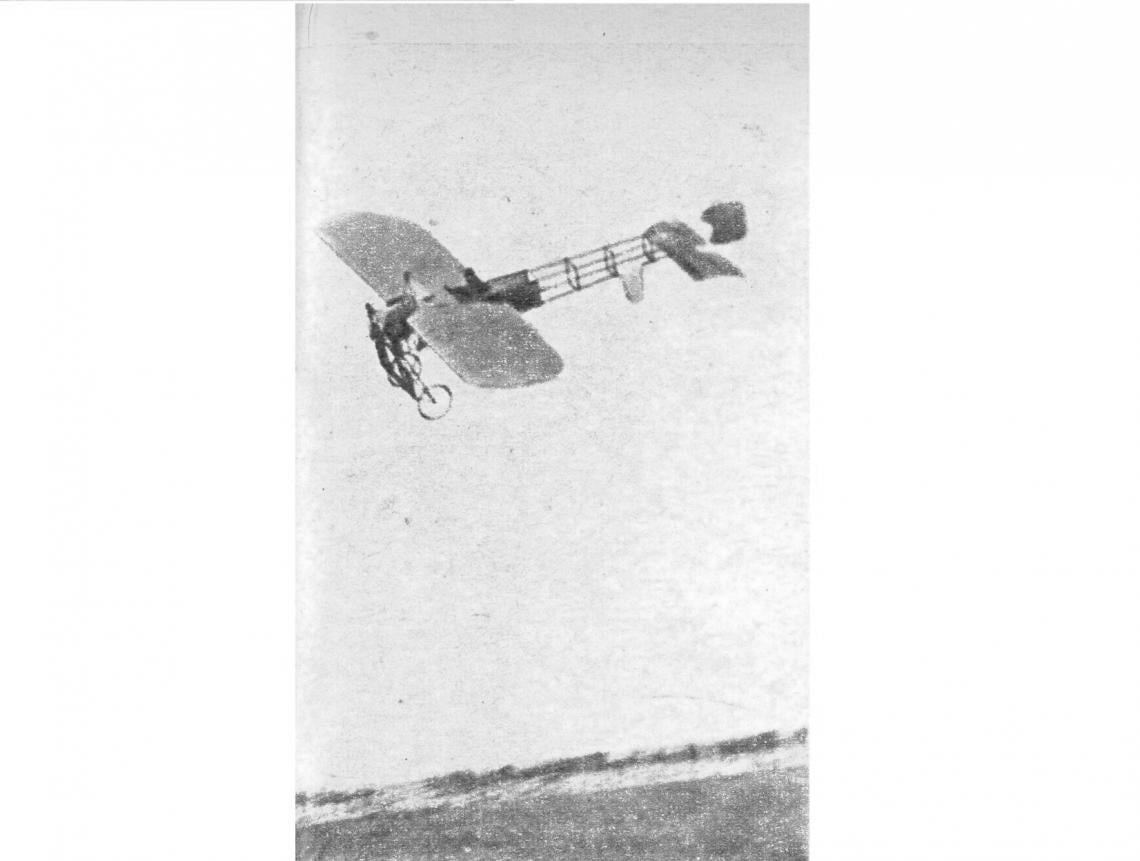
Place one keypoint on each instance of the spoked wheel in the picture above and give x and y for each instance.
(434, 402)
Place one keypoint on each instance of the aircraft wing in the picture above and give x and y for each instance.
(487, 345)
(381, 249)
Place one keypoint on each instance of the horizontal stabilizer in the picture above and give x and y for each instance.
(681, 242)
(487, 345)
(381, 249)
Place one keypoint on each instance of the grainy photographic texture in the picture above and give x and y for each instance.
(565, 616)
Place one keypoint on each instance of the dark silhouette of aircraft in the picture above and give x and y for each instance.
(429, 299)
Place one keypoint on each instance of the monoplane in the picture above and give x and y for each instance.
(429, 299)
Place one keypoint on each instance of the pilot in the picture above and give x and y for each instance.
(475, 284)
(472, 288)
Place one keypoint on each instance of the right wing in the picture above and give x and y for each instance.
(486, 344)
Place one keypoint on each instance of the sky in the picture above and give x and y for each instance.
(613, 560)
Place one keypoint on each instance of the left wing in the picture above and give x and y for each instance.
(382, 250)
(487, 345)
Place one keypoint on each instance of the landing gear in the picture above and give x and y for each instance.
(401, 361)
(398, 348)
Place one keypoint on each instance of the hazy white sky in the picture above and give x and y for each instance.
(615, 559)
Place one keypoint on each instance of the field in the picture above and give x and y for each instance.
(750, 805)
(755, 816)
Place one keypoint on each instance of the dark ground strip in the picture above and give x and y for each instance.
(760, 816)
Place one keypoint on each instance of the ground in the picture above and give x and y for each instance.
(761, 815)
